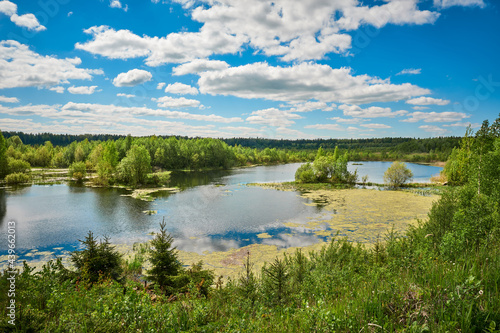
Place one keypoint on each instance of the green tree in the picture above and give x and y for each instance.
(3, 158)
(165, 264)
(397, 174)
(98, 258)
(18, 166)
(135, 166)
(77, 171)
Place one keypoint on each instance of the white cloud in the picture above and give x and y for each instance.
(375, 126)
(303, 82)
(347, 121)
(57, 89)
(427, 101)
(370, 112)
(181, 89)
(160, 85)
(466, 124)
(4, 99)
(170, 102)
(410, 71)
(420, 108)
(330, 127)
(435, 130)
(70, 13)
(311, 106)
(199, 66)
(8, 8)
(117, 4)
(21, 67)
(465, 3)
(132, 78)
(125, 95)
(292, 30)
(273, 117)
(82, 90)
(28, 21)
(175, 48)
(435, 117)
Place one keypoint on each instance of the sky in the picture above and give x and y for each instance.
(282, 69)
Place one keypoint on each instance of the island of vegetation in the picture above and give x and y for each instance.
(442, 275)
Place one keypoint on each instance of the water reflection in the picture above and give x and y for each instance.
(215, 211)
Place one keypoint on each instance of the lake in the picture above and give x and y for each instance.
(213, 211)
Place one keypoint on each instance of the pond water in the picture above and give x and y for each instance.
(214, 211)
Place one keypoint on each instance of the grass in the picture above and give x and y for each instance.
(343, 288)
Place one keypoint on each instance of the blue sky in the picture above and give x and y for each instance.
(254, 68)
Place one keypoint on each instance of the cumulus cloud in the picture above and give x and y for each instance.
(427, 101)
(347, 121)
(21, 67)
(375, 126)
(4, 99)
(199, 66)
(370, 112)
(303, 82)
(117, 4)
(330, 127)
(181, 89)
(435, 130)
(82, 90)
(28, 21)
(435, 117)
(175, 48)
(160, 85)
(57, 89)
(125, 95)
(273, 117)
(170, 102)
(311, 106)
(292, 30)
(132, 78)
(410, 71)
(465, 3)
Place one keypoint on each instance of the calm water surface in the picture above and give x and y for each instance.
(214, 211)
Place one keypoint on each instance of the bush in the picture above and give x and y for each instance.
(18, 166)
(159, 178)
(305, 174)
(397, 174)
(78, 171)
(17, 178)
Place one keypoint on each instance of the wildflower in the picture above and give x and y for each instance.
(480, 292)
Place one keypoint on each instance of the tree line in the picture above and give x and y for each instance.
(388, 144)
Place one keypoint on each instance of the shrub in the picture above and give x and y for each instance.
(18, 166)
(78, 171)
(17, 178)
(305, 174)
(397, 174)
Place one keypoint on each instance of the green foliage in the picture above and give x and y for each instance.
(135, 166)
(98, 260)
(77, 171)
(18, 166)
(159, 178)
(17, 178)
(3, 158)
(326, 168)
(397, 175)
(165, 264)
